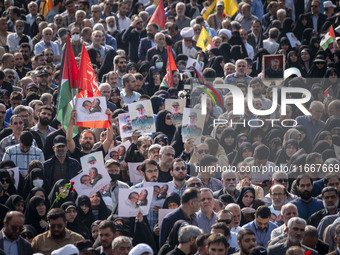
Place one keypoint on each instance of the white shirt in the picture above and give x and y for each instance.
(13, 42)
(250, 50)
(123, 23)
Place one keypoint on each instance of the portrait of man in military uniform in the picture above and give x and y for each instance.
(177, 116)
(191, 129)
(142, 120)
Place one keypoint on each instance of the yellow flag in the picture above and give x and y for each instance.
(211, 9)
(230, 7)
(203, 40)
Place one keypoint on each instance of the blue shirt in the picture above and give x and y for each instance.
(262, 236)
(203, 222)
(311, 129)
(10, 247)
(307, 209)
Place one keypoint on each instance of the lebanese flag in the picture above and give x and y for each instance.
(170, 67)
(158, 17)
(88, 85)
(67, 88)
(327, 38)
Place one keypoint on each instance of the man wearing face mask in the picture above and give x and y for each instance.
(147, 43)
(61, 166)
(76, 43)
(113, 168)
(133, 36)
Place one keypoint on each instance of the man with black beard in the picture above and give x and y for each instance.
(60, 166)
(147, 43)
(19, 65)
(48, 53)
(57, 236)
(133, 36)
(305, 203)
(42, 127)
(179, 172)
(25, 50)
(42, 78)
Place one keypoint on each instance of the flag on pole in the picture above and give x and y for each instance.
(203, 40)
(170, 67)
(199, 69)
(230, 7)
(45, 7)
(211, 9)
(68, 83)
(158, 16)
(327, 38)
(88, 84)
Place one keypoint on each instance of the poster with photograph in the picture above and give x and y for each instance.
(162, 213)
(192, 124)
(91, 109)
(176, 107)
(135, 172)
(193, 63)
(14, 174)
(118, 152)
(142, 117)
(273, 66)
(125, 125)
(294, 42)
(94, 175)
(135, 200)
(160, 191)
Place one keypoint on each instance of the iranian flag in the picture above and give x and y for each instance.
(170, 67)
(327, 39)
(67, 87)
(88, 85)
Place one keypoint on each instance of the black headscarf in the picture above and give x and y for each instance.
(299, 27)
(237, 53)
(320, 146)
(150, 87)
(13, 200)
(32, 194)
(87, 219)
(162, 127)
(76, 226)
(238, 158)
(244, 190)
(107, 64)
(104, 212)
(4, 174)
(217, 66)
(326, 83)
(172, 240)
(35, 173)
(93, 57)
(171, 198)
(32, 216)
(156, 102)
(282, 157)
(305, 143)
(228, 132)
(255, 131)
(314, 71)
(224, 49)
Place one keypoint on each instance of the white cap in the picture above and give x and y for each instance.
(140, 249)
(68, 249)
(328, 4)
(155, 146)
(290, 71)
(227, 32)
(187, 32)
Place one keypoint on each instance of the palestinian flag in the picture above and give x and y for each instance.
(170, 67)
(327, 39)
(67, 88)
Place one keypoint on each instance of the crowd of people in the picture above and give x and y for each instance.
(247, 210)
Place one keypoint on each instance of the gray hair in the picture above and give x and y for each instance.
(187, 232)
(20, 108)
(296, 220)
(119, 240)
(164, 148)
(316, 104)
(226, 173)
(104, 85)
(286, 206)
(99, 27)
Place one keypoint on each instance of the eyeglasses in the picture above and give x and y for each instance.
(6, 180)
(277, 194)
(27, 235)
(228, 221)
(56, 226)
(198, 184)
(18, 123)
(58, 20)
(282, 180)
(183, 168)
(201, 151)
(169, 117)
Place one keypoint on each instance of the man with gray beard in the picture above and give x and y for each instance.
(330, 200)
(229, 180)
(295, 232)
(60, 166)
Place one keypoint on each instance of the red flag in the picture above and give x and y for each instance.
(88, 84)
(170, 67)
(158, 16)
(86, 78)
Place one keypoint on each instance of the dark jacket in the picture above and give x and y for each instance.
(316, 217)
(321, 20)
(281, 248)
(143, 47)
(73, 168)
(24, 247)
(132, 37)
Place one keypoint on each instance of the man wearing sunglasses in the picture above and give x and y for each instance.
(17, 126)
(57, 236)
(179, 172)
(10, 240)
(226, 217)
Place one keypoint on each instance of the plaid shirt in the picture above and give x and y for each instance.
(22, 159)
(9, 141)
(213, 184)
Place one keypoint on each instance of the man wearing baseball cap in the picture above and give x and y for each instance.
(61, 166)
(113, 168)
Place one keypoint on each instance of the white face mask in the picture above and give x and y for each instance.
(75, 37)
(38, 183)
(159, 65)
